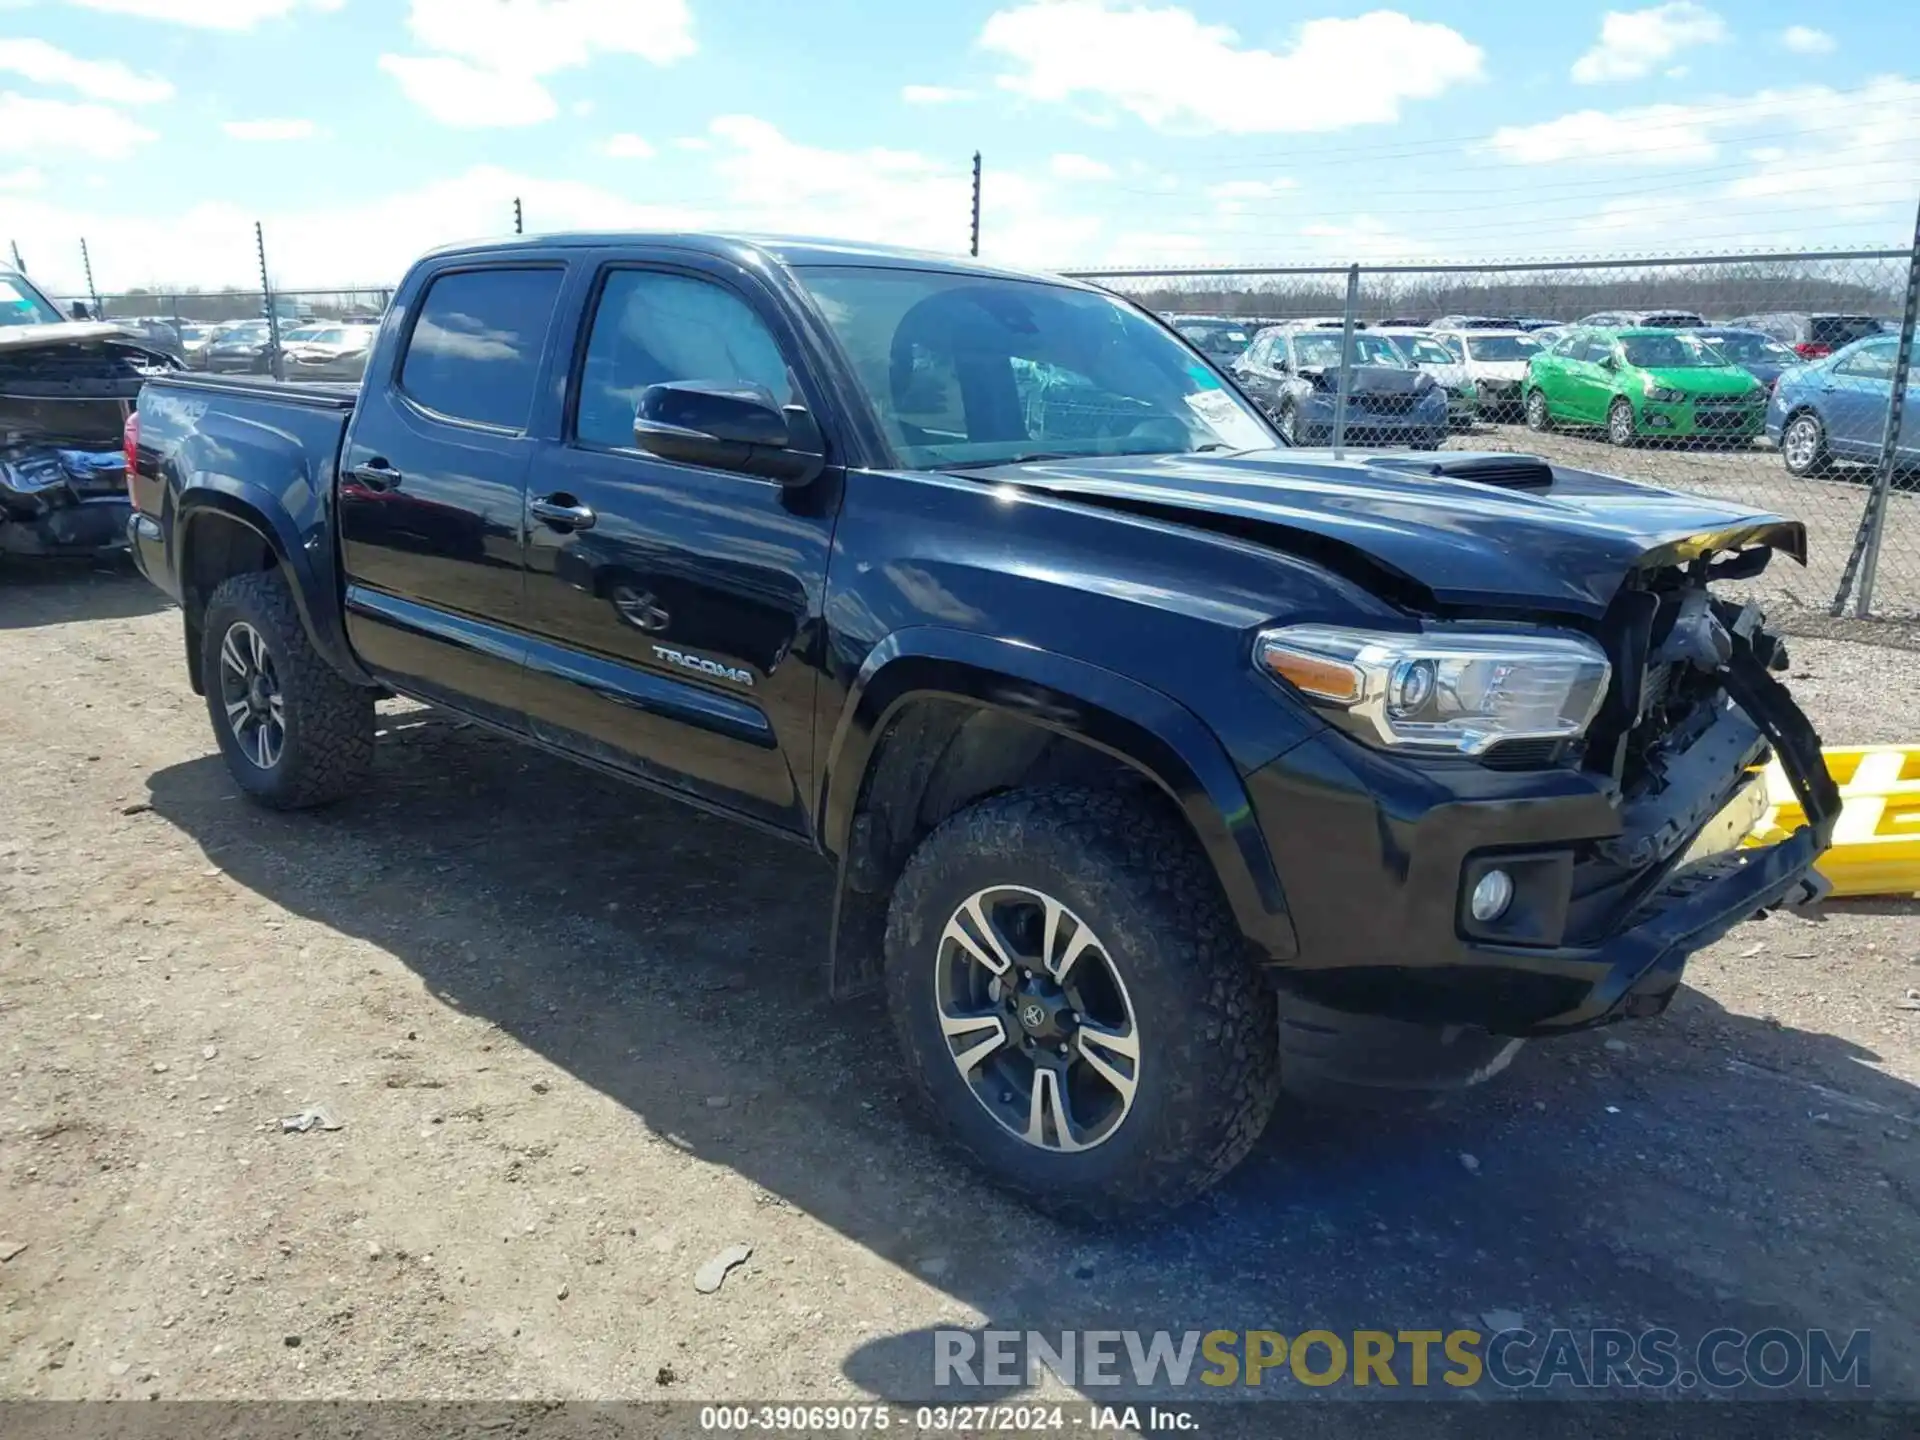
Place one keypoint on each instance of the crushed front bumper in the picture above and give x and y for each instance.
(62, 502)
(1378, 853)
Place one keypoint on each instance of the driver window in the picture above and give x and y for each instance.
(1869, 362)
(651, 328)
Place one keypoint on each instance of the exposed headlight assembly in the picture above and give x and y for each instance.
(1665, 394)
(1447, 690)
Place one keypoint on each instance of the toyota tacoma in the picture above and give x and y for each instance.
(1161, 763)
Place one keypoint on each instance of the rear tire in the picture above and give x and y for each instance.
(1803, 446)
(1159, 943)
(293, 731)
(1621, 428)
(1539, 418)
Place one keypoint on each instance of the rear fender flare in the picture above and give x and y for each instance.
(314, 592)
(1140, 726)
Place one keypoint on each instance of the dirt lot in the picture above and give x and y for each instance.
(575, 1042)
(1753, 475)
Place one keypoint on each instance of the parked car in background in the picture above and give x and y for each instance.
(1475, 322)
(1449, 370)
(331, 352)
(1644, 382)
(1294, 374)
(1810, 336)
(156, 331)
(1754, 351)
(1533, 323)
(65, 387)
(1496, 362)
(1404, 322)
(1836, 409)
(241, 349)
(1645, 320)
(1221, 338)
(1548, 334)
(195, 336)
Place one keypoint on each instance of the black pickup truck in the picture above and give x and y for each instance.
(1160, 762)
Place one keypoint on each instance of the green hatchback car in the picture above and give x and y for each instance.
(1644, 384)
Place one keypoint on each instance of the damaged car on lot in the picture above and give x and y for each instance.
(66, 388)
(1161, 762)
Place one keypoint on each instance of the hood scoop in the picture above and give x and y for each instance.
(1508, 472)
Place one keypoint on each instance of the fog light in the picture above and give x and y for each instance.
(1491, 896)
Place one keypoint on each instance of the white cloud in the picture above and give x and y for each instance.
(538, 37)
(1175, 73)
(1648, 135)
(1080, 167)
(509, 45)
(456, 93)
(760, 178)
(627, 147)
(1635, 43)
(1805, 40)
(271, 129)
(208, 14)
(46, 64)
(933, 95)
(27, 179)
(31, 126)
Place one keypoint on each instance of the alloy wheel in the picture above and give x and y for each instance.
(250, 694)
(1620, 424)
(1800, 446)
(1037, 1019)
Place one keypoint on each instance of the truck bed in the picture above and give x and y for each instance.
(320, 394)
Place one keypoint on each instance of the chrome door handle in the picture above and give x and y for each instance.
(562, 514)
(377, 475)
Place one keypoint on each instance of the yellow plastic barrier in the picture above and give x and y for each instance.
(1876, 841)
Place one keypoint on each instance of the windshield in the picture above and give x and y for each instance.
(1678, 351)
(1223, 339)
(1502, 347)
(965, 370)
(1423, 351)
(1317, 350)
(194, 333)
(251, 333)
(21, 304)
(1753, 346)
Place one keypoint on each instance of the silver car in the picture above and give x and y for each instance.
(329, 352)
(1449, 371)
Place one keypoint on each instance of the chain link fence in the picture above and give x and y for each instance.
(1776, 381)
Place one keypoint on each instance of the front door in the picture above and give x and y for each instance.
(432, 489)
(673, 610)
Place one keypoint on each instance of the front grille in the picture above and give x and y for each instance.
(1387, 404)
(1534, 754)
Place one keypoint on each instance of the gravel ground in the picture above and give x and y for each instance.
(575, 1044)
(1753, 475)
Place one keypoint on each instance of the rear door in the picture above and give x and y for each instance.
(1855, 394)
(433, 484)
(672, 609)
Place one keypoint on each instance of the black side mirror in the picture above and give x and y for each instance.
(729, 427)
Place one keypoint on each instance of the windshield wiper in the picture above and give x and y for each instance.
(1030, 457)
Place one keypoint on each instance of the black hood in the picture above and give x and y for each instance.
(1500, 531)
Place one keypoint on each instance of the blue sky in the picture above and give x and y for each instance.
(1163, 131)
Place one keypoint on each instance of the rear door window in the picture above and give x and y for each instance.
(474, 354)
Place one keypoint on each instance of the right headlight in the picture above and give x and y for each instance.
(1448, 690)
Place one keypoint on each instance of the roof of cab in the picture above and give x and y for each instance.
(781, 249)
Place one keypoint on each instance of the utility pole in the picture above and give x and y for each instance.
(86, 264)
(519, 224)
(273, 311)
(973, 248)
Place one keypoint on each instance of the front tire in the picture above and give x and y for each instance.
(1539, 418)
(1621, 427)
(1076, 1005)
(1803, 446)
(293, 732)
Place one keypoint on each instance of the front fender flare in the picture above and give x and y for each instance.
(1143, 728)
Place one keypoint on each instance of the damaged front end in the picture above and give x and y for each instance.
(65, 393)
